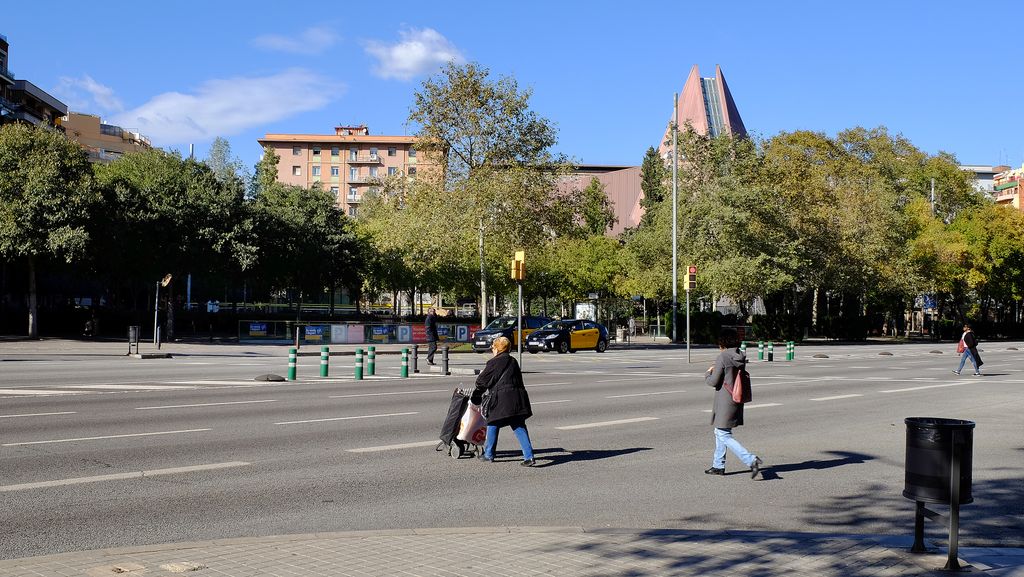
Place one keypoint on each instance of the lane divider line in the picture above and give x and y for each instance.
(387, 394)
(760, 406)
(549, 402)
(924, 387)
(37, 414)
(121, 476)
(103, 437)
(606, 423)
(394, 447)
(837, 397)
(204, 405)
(644, 394)
(345, 418)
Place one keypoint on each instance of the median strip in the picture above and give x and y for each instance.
(121, 476)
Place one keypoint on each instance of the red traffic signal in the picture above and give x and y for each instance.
(691, 281)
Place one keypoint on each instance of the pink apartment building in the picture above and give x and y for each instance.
(346, 163)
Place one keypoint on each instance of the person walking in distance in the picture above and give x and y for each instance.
(968, 347)
(726, 413)
(506, 403)
(430, 324)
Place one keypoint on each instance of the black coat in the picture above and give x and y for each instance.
(508, 398)
(971, 342)
(430, 324)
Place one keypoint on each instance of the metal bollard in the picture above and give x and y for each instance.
(371, 361)
(760, 350)
(444, 360)
(405, 363)
(415, 358)
(325, 359)
(743, 347)
(291, 363)
(359, 364)
(771, 352)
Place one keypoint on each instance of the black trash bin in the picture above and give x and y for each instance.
(930, 451)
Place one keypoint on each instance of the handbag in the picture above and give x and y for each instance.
(960, 347)
(741, 392)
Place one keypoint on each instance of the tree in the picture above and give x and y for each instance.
(226, 168)
(654, 176)
(45, 196)
(597, 211)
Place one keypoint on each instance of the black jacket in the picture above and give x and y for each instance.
(508, 397)
(971, 342)
(431, 328)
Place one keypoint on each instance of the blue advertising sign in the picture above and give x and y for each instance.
(315, 334)
(257, 329)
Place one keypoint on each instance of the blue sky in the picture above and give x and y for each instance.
(945, 75)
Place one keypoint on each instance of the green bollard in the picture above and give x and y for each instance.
(359, 364)
(325, 359)
(789, 350)
(371, 362)
(760, 350)
(405, 363)
(743, 347)
(291, 363)
(771, 352)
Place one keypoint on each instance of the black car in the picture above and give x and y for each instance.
(568, 336)
(505, 326)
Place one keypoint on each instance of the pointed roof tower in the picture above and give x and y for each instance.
(707, 105)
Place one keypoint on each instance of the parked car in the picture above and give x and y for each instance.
(505, 326)
(568, 336)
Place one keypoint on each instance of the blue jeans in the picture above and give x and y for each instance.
(963, 359)
(724, 439)
(519, 428)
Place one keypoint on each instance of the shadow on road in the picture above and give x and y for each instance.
(557, 456)
(771, 472)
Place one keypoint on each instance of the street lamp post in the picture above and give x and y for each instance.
(675, 177)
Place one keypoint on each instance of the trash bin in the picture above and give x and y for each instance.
(932, 444)
(620, 334)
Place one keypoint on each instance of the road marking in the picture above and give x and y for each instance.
(837, 397)
(249, 382)
(121, 476)
(37, 414)
(761, 406)
(633, 378)
(345, 418)
(384, 394)
(606, 423)
(37, 392)
(103, 437)
(922, 388)
(394, 447)
(549, 402)
(546, 385)
(644, 394)
(127, 387)
(204, 405)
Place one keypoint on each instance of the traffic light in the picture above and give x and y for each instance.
(519, 266)
(691, 277)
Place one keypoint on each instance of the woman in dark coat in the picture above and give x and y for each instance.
(507, 404)
(727, 413)
(970, 351)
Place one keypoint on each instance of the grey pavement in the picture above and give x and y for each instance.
(585, 551)
(499, 551)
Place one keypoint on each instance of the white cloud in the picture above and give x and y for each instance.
(225, 107)
(86, 95)
(311, 41)
(419, 51)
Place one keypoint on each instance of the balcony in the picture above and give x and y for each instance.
(365, 159)
(353, 198)
(6, 73)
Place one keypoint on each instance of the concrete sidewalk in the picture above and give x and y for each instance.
(508, 551)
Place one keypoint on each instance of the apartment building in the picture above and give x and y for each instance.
(1008, 185)
(348, 163)
(103, 142)
(22, 101)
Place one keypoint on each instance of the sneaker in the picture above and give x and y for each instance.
(977, 374)
(485, 458)
(715, 471)
(755, 467)
(956, 372)
(528, 463)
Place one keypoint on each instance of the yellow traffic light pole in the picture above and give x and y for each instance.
(518, 274)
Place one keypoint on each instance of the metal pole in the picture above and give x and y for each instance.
(675, 185)
(952, 563)
(156, 312)
(688, 324)
(519, 336)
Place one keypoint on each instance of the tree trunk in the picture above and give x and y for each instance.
(33, 320)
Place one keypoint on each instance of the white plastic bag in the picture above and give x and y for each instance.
(472, 427)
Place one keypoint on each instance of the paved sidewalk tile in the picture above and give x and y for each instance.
(517, 551)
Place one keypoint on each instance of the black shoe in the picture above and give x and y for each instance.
(484, 458)
(715, 471)
(755, 467)
(431, 363)
(528, 463)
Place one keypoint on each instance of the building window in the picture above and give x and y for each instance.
(334, 151)
(373, 154)
(296, 150)
(412, 152)
(296, 171)
(316, 171)
(392, 151)
(334, 191)
(335, 171)
(351, 211)
(373, 171)
(316, 151)
(412, 171)
(353, 173)
(352, 193)
(353, 153)
(392, 170)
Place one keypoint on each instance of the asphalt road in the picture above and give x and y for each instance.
(104, 451)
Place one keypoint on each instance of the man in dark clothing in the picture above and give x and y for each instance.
(431, 325)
